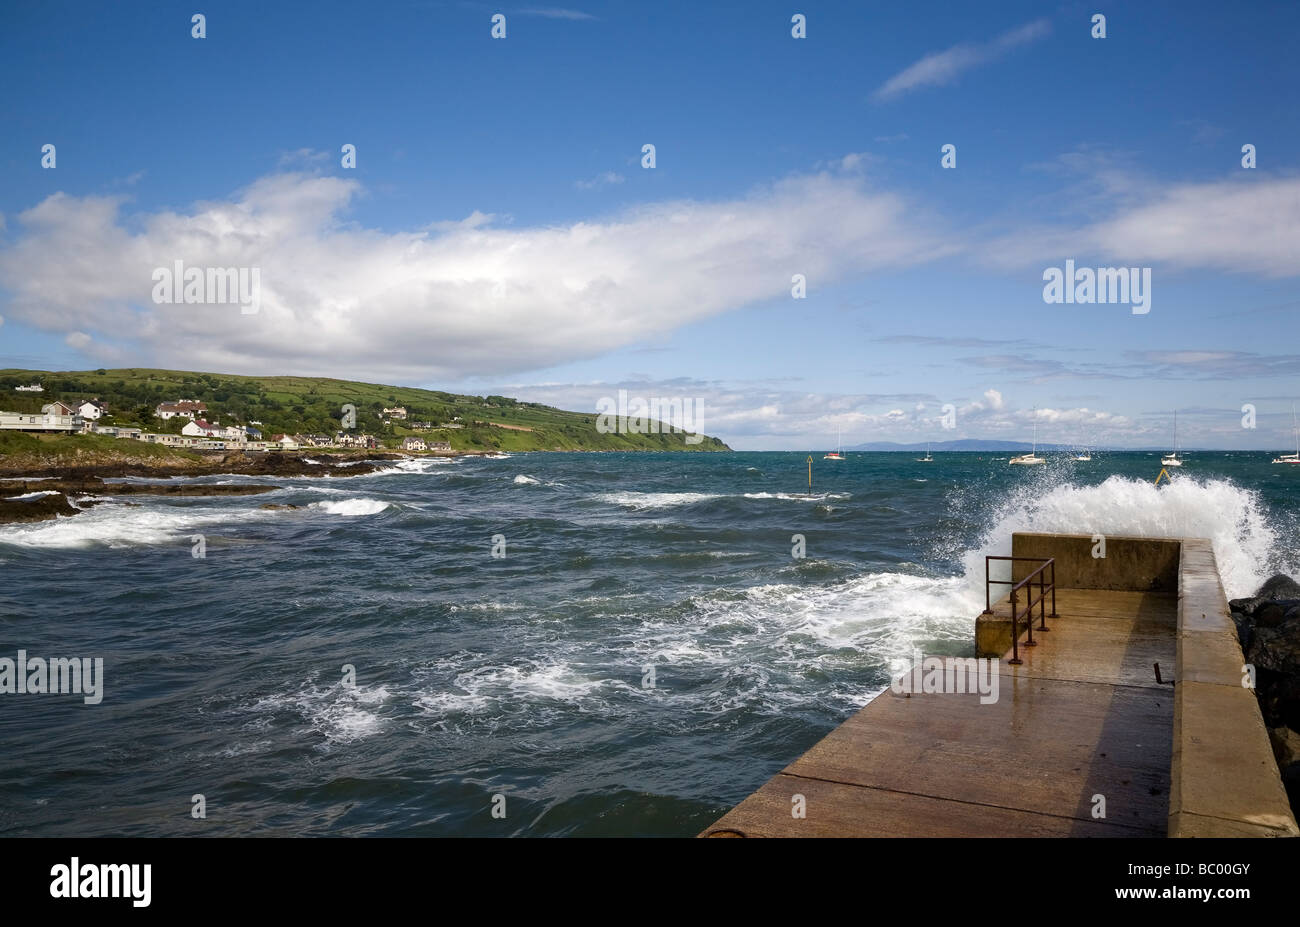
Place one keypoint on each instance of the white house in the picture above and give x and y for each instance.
(413, 444)
(201, 429)
(284, 442)
(38, 421)
(189, 408)
(58, 408)
(91, 410)
(396, 412)
(34, 388)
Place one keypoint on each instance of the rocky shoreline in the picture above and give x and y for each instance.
(1268, 627)
(54, 493)
(236, 463)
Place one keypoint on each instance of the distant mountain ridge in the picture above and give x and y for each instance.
(979, 444)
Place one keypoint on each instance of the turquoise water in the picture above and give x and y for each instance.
(526, 676)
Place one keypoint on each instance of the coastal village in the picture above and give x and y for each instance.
(202, 430)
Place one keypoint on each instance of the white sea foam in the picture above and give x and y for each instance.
(798, 496)
(523, 479)
(531, 681)
(341, 713)
(885, 614)
(487, 693)
(660, 500)
(1233, 518)
(351, 507)
(656, 500)
(114, 524)
(415, 465)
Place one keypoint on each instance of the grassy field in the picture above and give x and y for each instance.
(18, 450)
(315, 405)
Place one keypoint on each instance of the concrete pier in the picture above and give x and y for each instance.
(1082, 739)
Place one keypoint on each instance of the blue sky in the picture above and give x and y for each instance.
(499, 233)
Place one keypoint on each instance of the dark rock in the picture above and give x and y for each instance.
(275, 506)
(1291, 782)
(1286, 745)
(1245, 631)
(1277, 649)
(97, 487)
(1278, 587)
(1245, 606)
(276, 464)
(1279, 696)
(1272, 614)
(42, 508)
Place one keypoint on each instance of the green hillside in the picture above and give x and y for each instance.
(315, 405)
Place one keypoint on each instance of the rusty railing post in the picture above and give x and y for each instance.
(1042, 600)
(1054, 614)
(1015, 632)
(1029, 617)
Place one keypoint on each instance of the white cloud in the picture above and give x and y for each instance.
(604, 179)
(302, 157)
(758, 416)
(555, 13)
(1249, 225)
(942, 68)
(446, 301)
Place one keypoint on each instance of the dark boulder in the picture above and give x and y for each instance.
(1272, 614)
(1277, 649)
(1246, 606)
(1245, 630)
(42, 508)
(1278, 587)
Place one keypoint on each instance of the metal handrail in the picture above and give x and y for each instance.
(1043, 587)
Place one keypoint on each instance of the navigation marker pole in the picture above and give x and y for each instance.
(810, 474)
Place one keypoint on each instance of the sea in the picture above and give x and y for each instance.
(542, 644)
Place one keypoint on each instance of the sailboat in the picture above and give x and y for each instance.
(837, 454)
(1291, 458)
(927, 458)
(1032, 457)
(1172, 460)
